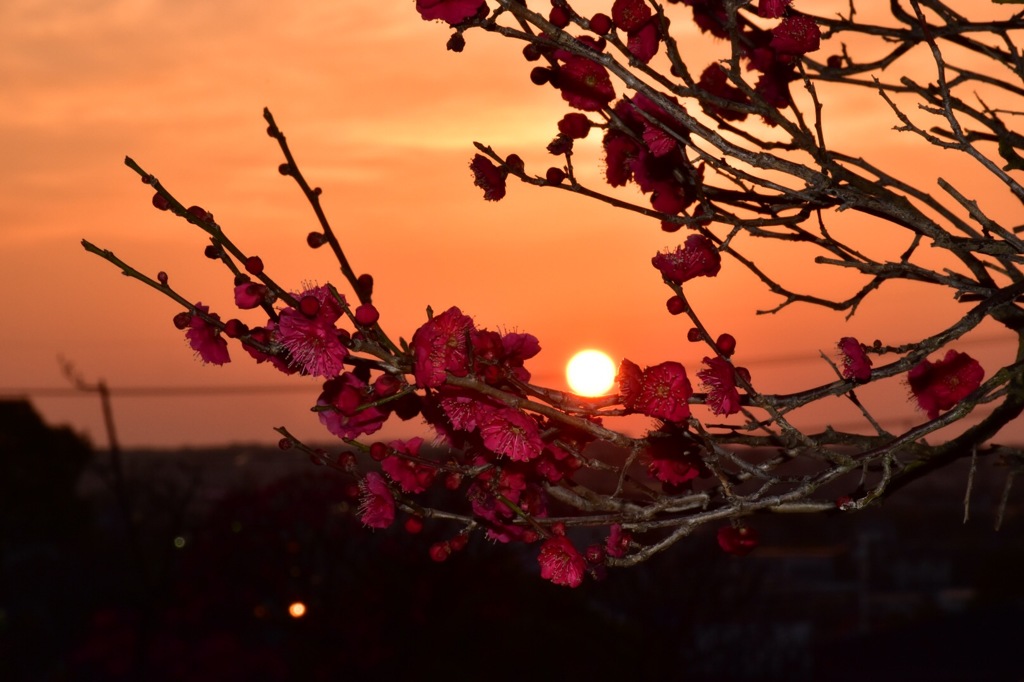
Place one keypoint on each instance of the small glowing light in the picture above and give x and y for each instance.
(296, 609)
(590, 373)
(179, 542)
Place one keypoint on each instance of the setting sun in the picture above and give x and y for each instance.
(590, 373)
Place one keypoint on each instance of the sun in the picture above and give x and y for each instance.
(590, 373)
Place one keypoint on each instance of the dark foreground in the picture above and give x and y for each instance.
(190, 573)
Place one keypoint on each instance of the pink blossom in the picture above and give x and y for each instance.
(561, 563)
(664, 392)
(737, 541)
(451, 11)
(716, 82)
(796, 35)
(465, 413)
(509, 432)
(856, 363)
(407, 473)
(630, 15)
(584, 84)
(619, 152)
(519, 346)
(699, 258)
(262, 336)
(376, 503)
(720, 380)
(346, 415)
(309, 334)
(554, 464)
(941, 385)
(773, 86)
(671, 468)
(771, 9)
(643, 42)
(205, 338)
(618, 541)
(249, 295)
(488, 177)
(710, 16)
(499, 357)
(629, 379)
(440, 346)
(497, 516)
(655, 134)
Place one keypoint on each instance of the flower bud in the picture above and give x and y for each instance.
(199, 213)
(365, 283)
(254, 265)
(559, 17)
(600, 24)
(726, 344)
(554, 176)
(675, 305)
(456, 43)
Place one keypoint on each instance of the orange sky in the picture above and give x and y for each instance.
(383, 118)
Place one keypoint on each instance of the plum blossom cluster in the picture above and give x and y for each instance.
(509, 461)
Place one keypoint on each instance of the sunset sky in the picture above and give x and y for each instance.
(383, 118)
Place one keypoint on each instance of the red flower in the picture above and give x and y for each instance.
(249, 295)
(584, 84)
(346, 416)
(262, 336)
(710, 16)
(440, 346)
(620, 150)
(511, 433)
(941, 385)
(773, 86)
(309, 334)
(771, 9)
(618, 541)
(856, 363)
(796, 35)
(630, 15)
(737, 541)
(497, 357)
(720, 380)
(716, 82)
(205, 338)
(698, 258)
(574, 125)
(629, 379)
(671, 468)
(561, 563)
(410, 476)
(451, 11)
(376, 503)
(497, 516)
(664, 392)
(464, 413)
(644, 41)
(488, 177)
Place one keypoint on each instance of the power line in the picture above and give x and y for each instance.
(154, 391)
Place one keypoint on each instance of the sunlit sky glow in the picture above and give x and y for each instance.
(383, 118)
